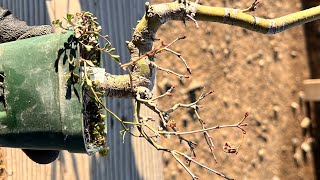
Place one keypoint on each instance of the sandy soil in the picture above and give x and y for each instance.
(249, 72)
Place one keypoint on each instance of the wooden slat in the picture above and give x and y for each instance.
(68, 166)
(312, 89)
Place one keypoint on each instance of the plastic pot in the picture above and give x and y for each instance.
(37, 108)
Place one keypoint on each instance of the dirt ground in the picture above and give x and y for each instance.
(249, 72)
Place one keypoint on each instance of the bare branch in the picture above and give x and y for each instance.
(167, 93)
(182, 59)
(183, 165)
(209, 142)
(195, 21)
(253, 7)
(142, 96)
(151, 53)
(206, 129)
(193, 105)
(180, 76)
(238, 125)
(203, 166)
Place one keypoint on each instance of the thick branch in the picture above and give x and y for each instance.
(156, 15)
(267, 26)
(159, 14)
(122, 86)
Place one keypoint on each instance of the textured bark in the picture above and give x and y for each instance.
(156, 15)
(123, 86)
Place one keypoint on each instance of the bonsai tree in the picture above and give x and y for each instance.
(137, 83)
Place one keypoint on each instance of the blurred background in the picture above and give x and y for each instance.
(249, 72)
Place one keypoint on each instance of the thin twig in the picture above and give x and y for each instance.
(253, 7)
(143, 133)
(151, 53)
(183, 165)
(210, 143)
(195, 21)
(202, 130)
(153, 106)
(206, 135)
(191, 105)
(203, 166)
(180, 57)
(167, 93)
(180, 76)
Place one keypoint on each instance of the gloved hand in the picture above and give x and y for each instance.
(12, 29)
